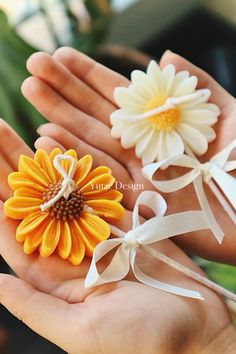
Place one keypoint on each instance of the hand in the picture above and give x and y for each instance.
(76, 94)
(50, 297)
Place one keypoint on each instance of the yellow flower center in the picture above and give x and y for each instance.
(165, 121)
(64, 209)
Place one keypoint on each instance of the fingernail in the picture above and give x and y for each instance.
(38, 130)
(168, 51)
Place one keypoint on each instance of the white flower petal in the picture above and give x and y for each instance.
(175, 143)
(207, 131)
(150, 153)
(155, 76)
(119, 128)
(194, 138)
(168, 75)
(203, 116)
(179, 78)
(127, 99)
(133, 133)
(209, 106)
(170, 144)
(119, 114)
(144, 90)
(143, 142)
(186, 87)
(142, 85)
(162, 151)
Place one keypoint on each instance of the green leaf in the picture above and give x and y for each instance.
(223, 274)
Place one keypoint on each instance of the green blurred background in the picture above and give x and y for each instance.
(123, 35)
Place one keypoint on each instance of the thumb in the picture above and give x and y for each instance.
(43, 313)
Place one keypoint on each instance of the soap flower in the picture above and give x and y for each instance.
(70, 227)
(161, 113)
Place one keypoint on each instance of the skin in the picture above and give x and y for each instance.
(75, 94)
(50, 298)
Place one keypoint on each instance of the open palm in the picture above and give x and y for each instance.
(51, 299)
(76, 94)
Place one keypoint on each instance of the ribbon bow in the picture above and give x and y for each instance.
(156, 229)
(216, 169)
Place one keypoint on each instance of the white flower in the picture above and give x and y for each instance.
(162, 112)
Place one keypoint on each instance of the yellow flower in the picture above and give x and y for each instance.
(70, 227)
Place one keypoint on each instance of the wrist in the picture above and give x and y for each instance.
(224, 342)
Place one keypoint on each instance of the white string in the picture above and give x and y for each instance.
(210, 182)
(171, 102)
(190, 273)
(67, 185)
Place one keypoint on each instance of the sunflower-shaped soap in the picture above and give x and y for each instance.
(64, 205)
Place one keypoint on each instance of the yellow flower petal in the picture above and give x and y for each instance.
(78, 248)
(102, 183)
(45, 163)
(20, 207)
(89, 243)
(65, 242)
(27, 192)
(33, 170)
(106, 208)
(111, 194)
(100, 170)
(84, 166)
(52, 155)
(66, 163)
(51, 238)
(55, 152)
(17, 180)
(30, 225)
(33, 241)
(94, 227)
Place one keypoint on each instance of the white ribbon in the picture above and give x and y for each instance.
(67, 185)
(216, 169)
(172, 102)
(156, 229)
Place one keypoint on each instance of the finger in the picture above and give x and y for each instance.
(97, 76)
(5, 168)
(48, 144)
(11, 145)
(54, 108)
(75, 91)
(219, 95)
(62, 137)
(46, 315)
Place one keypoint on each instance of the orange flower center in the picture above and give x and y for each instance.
(165, 121)
(64, 209)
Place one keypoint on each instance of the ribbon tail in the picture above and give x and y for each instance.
(226, 182)
(145, 279)
(215, 228)
(116, 270)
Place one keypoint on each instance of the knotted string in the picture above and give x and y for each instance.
(216, 169)
(67, 185)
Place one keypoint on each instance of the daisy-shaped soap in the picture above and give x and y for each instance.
(162, 112)
(70, 225)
